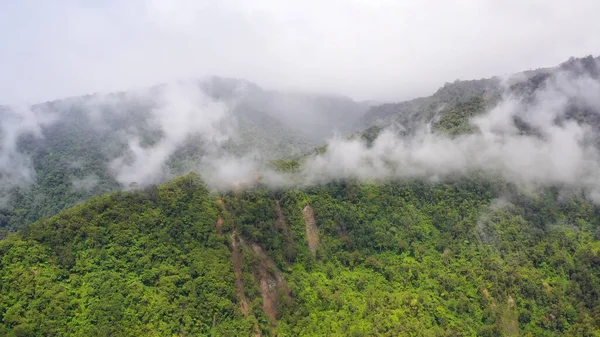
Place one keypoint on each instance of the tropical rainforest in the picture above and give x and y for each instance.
(466, 254)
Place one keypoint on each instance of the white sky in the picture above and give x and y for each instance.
(367, 49)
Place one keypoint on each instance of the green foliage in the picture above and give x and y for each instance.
(287, 166)
(370, 134)
(405, 258)
(320, 149)
(126, 264)
(71, 160)
(457, 120)
(448, 108)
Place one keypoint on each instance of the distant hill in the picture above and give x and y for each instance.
(451, 106)
(467, 257)
(472, 253)
(71, 156)
(60, 153)
(313, 116)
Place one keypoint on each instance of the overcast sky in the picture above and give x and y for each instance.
(367, 49)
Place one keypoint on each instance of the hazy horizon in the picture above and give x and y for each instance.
(368, 50)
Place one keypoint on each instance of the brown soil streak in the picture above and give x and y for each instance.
(312, 235)
(237, 269)
(270, 283)
(282, 224)
(219, 225)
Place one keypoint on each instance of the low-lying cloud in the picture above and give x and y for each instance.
(86, 183)
(560, 152)
(181, 111)
(15, 122)
(555, 149)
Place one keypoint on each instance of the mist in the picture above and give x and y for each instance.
(182, 111)
(558, 152)
(180, 116)
(297, 53)
(86, 183)
(555, 150)
(17, 122)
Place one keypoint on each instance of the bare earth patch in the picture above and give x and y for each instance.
(219, 225)
(281, 224)
(270, 282)
(312, 235)
(237, 269)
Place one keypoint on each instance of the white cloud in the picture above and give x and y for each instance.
(182, 111)
(368, 49)
(15, 122)
(560, 154)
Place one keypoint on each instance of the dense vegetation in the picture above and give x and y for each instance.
(70, 157)
(467, 256)
(406, 258)
(71, 160)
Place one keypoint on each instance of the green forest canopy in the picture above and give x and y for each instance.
(470, 257)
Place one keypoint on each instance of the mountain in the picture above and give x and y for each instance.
(452, 105)
(315, 116)
(60, 153)
(465, 257)
(472, 212)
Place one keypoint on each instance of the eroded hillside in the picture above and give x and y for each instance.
(468, 257)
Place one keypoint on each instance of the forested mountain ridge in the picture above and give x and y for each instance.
(469, 257)
(451, 106)
(483, 225)
(315, 116)
(60, 153)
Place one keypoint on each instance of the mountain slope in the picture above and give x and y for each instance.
(92, 145)
(57, 154)
(451, 106)
(313, 116)
(406, 258)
